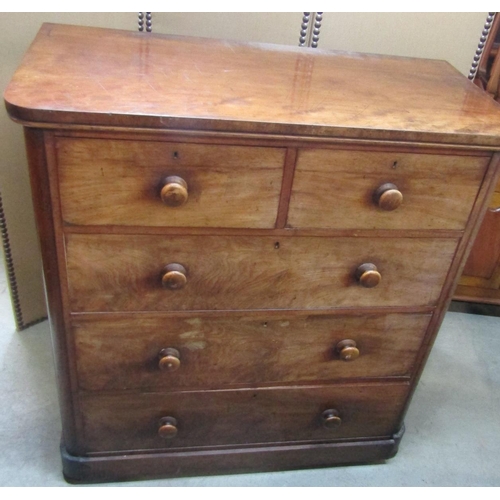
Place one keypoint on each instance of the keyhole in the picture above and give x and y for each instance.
(277, 245)
(176, 155)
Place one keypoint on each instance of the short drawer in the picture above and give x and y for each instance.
(142, 273)
(140, 183)
(161, 352)
(351, 189)
(211, 418)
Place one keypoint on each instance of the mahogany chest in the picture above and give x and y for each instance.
(248, 249)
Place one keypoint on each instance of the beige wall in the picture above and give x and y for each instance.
(452, 37)
(449, 36)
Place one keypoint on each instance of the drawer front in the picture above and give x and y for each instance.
(125, 272)
(210, 418)
(168, 353)
(120, 182)
(338, 189)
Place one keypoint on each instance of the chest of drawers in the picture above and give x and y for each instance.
(248, 250)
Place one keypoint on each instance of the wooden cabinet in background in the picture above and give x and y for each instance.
(480, 281)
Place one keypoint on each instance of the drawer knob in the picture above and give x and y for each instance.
(347, 350)
(388, 197)
(174, 276)
(368, 275)
(167, 427)
(169, 359)
(174, 191)
(331, 419)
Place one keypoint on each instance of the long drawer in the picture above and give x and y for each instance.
(340, 189)
(134, 273)
(121, 183)
(210, 418)
(161, 352)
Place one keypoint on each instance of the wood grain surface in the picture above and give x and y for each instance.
(130, 422)
(91, 76)
(121, 352)
(335, 189)
(262, 458)
(123, 273)
(119, 182)
(49, 234)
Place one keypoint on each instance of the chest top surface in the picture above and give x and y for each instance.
(111, 78)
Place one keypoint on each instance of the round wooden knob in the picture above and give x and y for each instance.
(169, 359)
(174, 277)
(174, 191)
(167, 428)
(388, 197)
(331, 419)
(368, 275)
(347, 350)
